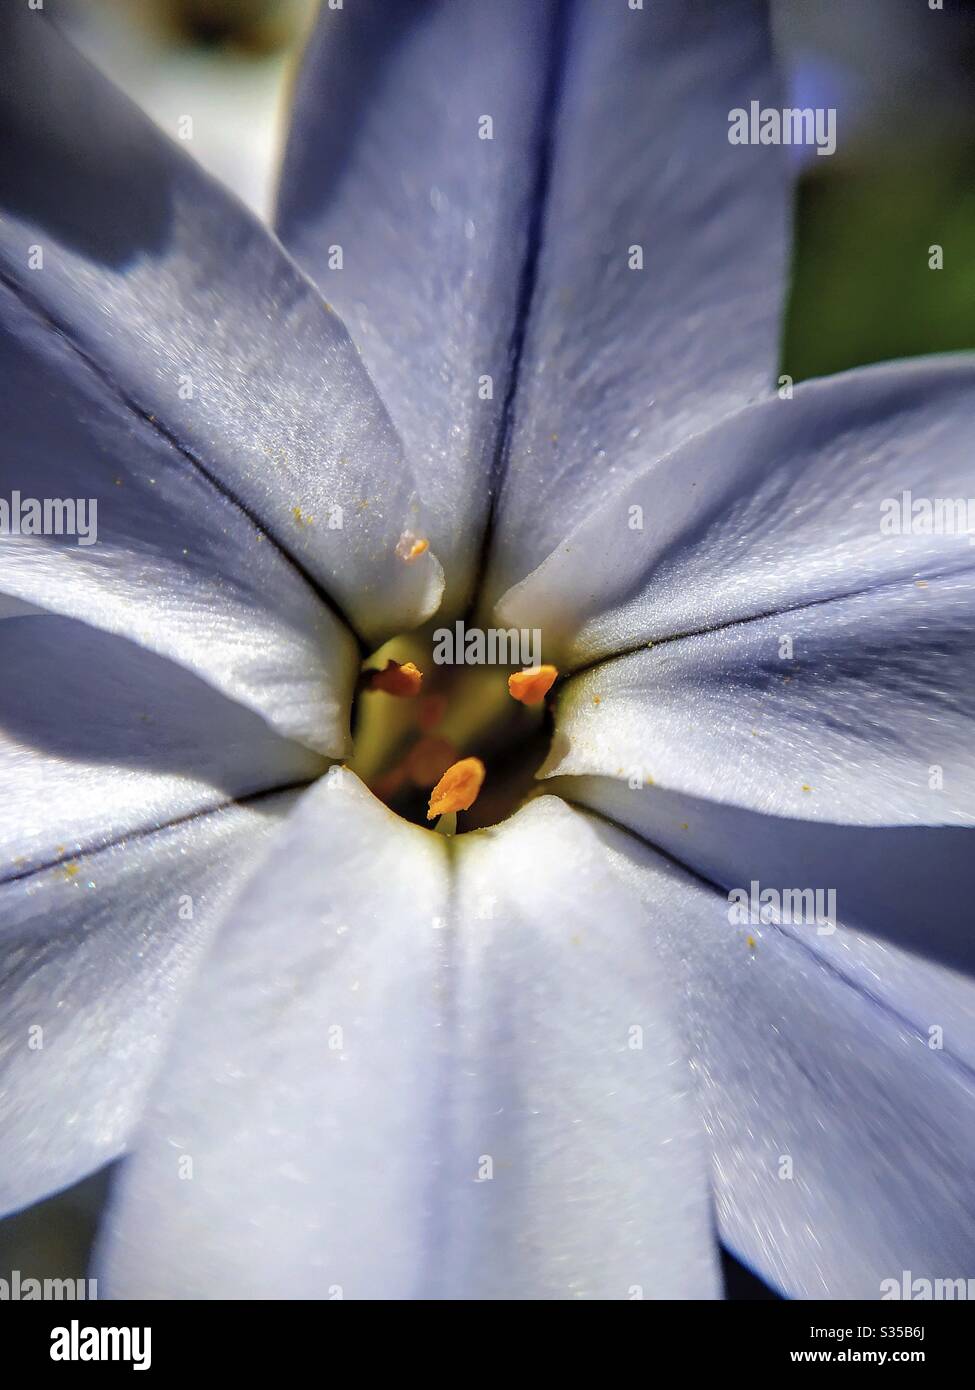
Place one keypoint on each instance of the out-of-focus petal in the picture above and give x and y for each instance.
(95, 959)
(621, 364)
(841, 1120)
(100, 738)
(408, 1092)
(787, 503)
(158, 555)
(199, 322)
(859, 710)
(416, 226)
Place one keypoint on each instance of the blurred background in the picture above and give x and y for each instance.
(901, 74)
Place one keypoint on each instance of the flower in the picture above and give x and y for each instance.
(344, 1055)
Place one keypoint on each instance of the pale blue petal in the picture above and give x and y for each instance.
(842, 1123)
(158, 555)
(100, 738)
(198, 322)
(386, 168)
(787, 503)
(859, 710)
(622, 365)
(911, 885)
(94, 965)
(388, 1089)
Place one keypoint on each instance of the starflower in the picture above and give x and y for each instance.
(343, 1054)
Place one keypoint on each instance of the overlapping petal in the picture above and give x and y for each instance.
(787, 503)
(99, 738)
(407, 196)
(200, 324)
(390, 1091)
(838, 1087)
(855, 710)
(158, 555)
(907, 884)
(662, 265)
(95, 958)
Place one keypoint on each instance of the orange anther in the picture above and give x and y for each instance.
(399, 680)
(457, 789)
(531, 687)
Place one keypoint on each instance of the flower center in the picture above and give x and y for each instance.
(445, 732)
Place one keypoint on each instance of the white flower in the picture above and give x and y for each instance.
(349, 1057)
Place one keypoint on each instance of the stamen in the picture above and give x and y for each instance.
(531, 687)
(403, 681)
(457, 789)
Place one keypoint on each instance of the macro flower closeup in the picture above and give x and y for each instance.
(390, 968)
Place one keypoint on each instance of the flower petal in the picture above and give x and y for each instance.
(910, 885)
(198, 322)
(858, 709)
(622, 365)
(99, 738)
(781, 505)
(94, 964)
(387, 166)
(161, 557)
(380, 1101)
(842, 1125)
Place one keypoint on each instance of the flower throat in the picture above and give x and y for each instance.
(451, 723)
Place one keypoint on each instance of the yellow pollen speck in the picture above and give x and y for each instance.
(71, 870)
(302, 518)
(751, 943)
(457, 789)
(806, 787)
(403, 681)
(531, 687)
(409, 547)
(920, 583)
(683, 825)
